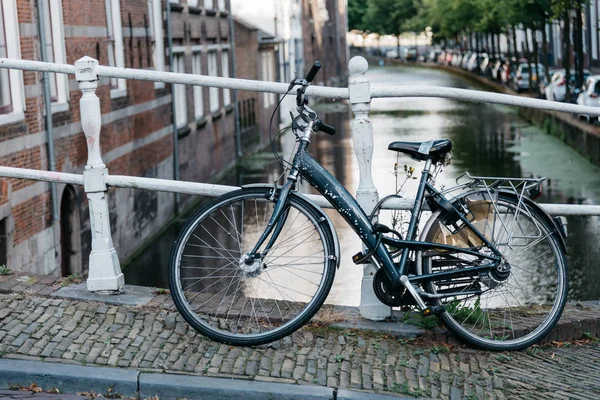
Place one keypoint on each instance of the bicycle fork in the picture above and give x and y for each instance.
(275, 225)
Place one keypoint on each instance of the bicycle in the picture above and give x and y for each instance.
(256, 264)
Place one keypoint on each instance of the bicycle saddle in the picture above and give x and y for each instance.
(421, 151)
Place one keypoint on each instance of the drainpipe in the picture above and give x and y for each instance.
(48, 116)
(238, 138)
(173, 107)
(588, 39)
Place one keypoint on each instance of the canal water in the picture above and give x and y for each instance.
(489, 140)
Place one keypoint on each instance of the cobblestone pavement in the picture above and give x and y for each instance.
(157, 339)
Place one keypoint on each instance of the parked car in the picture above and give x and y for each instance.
(448, 59)
(590, 94)
(510, 69)
(456, 59)
(475, 62)
(521, 79)
(391, 54)
(409, 54)
(465, 60)
(433, 55)
(556, 90)
(487, 62)
(442, 57)
(497, 70)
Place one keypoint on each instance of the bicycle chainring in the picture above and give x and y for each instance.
(384, 291)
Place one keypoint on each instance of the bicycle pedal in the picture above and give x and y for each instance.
(359, 258)
(435, 310)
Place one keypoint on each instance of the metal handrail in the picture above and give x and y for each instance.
(319, 91)
(104, 270)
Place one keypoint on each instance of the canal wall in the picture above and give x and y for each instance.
(584, 137)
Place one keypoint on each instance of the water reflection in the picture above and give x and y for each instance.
(488, 140)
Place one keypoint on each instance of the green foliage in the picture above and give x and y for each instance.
(466, 313)
(388, 17)
(356, 13)
(405, 389)
(4, 270)
(70, 280)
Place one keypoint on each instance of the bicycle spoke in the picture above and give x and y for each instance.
(521, 300)
(252, 301)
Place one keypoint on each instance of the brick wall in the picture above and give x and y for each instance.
(136, 133)
(248, 53)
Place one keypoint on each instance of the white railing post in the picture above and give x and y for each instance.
(104, 271)
(366, 194)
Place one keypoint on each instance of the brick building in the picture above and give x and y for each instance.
(137, 129)
(255, 54)
(324, 27)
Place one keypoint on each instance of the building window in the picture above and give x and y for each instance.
(11, 80)
(213, 91)
(268, 74)
(208, 4)
(198, 99)
(55, 52)
(156, 29)
(179, 92)
(5, 98)
(114, 40)
(222, 5)
(225, 67)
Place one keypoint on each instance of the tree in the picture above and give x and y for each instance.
(389, 17)
(561, 10)
(578, 39)
(356, 13)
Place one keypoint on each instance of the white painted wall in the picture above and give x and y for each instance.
(283, 17)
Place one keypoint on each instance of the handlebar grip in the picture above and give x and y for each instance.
(313, 71)
(328, 129)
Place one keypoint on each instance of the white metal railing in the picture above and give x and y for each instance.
(104, 269)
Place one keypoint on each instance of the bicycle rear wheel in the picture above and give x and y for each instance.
(511, 307)
(232, 302)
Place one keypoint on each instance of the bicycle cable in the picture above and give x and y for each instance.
(280, 159)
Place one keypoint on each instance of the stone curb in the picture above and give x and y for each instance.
(68, 378)
(127, 382)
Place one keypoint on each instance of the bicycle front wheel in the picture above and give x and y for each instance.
(226, 299)
(509, 307)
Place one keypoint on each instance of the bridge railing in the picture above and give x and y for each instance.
(104, 268)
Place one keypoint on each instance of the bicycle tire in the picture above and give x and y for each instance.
(282, 300)
(529, 302)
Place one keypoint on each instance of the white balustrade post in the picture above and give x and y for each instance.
(366, 194)
(104, 271)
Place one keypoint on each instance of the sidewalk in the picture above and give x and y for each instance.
(153, 338)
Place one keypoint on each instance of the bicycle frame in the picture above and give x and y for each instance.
(315, 174)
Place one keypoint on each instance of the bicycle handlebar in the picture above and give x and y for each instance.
(314, 70)
(300, 99)
(323, 127)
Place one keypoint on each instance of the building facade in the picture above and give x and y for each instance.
(48, 232)
(137, 124)
(255, 52)
(324, 30)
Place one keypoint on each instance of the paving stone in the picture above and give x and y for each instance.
(287, 368)
(146, 338)
(251, 368)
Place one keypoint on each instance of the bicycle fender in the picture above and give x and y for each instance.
(536, 207)
(545, 215)
(316, 208)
